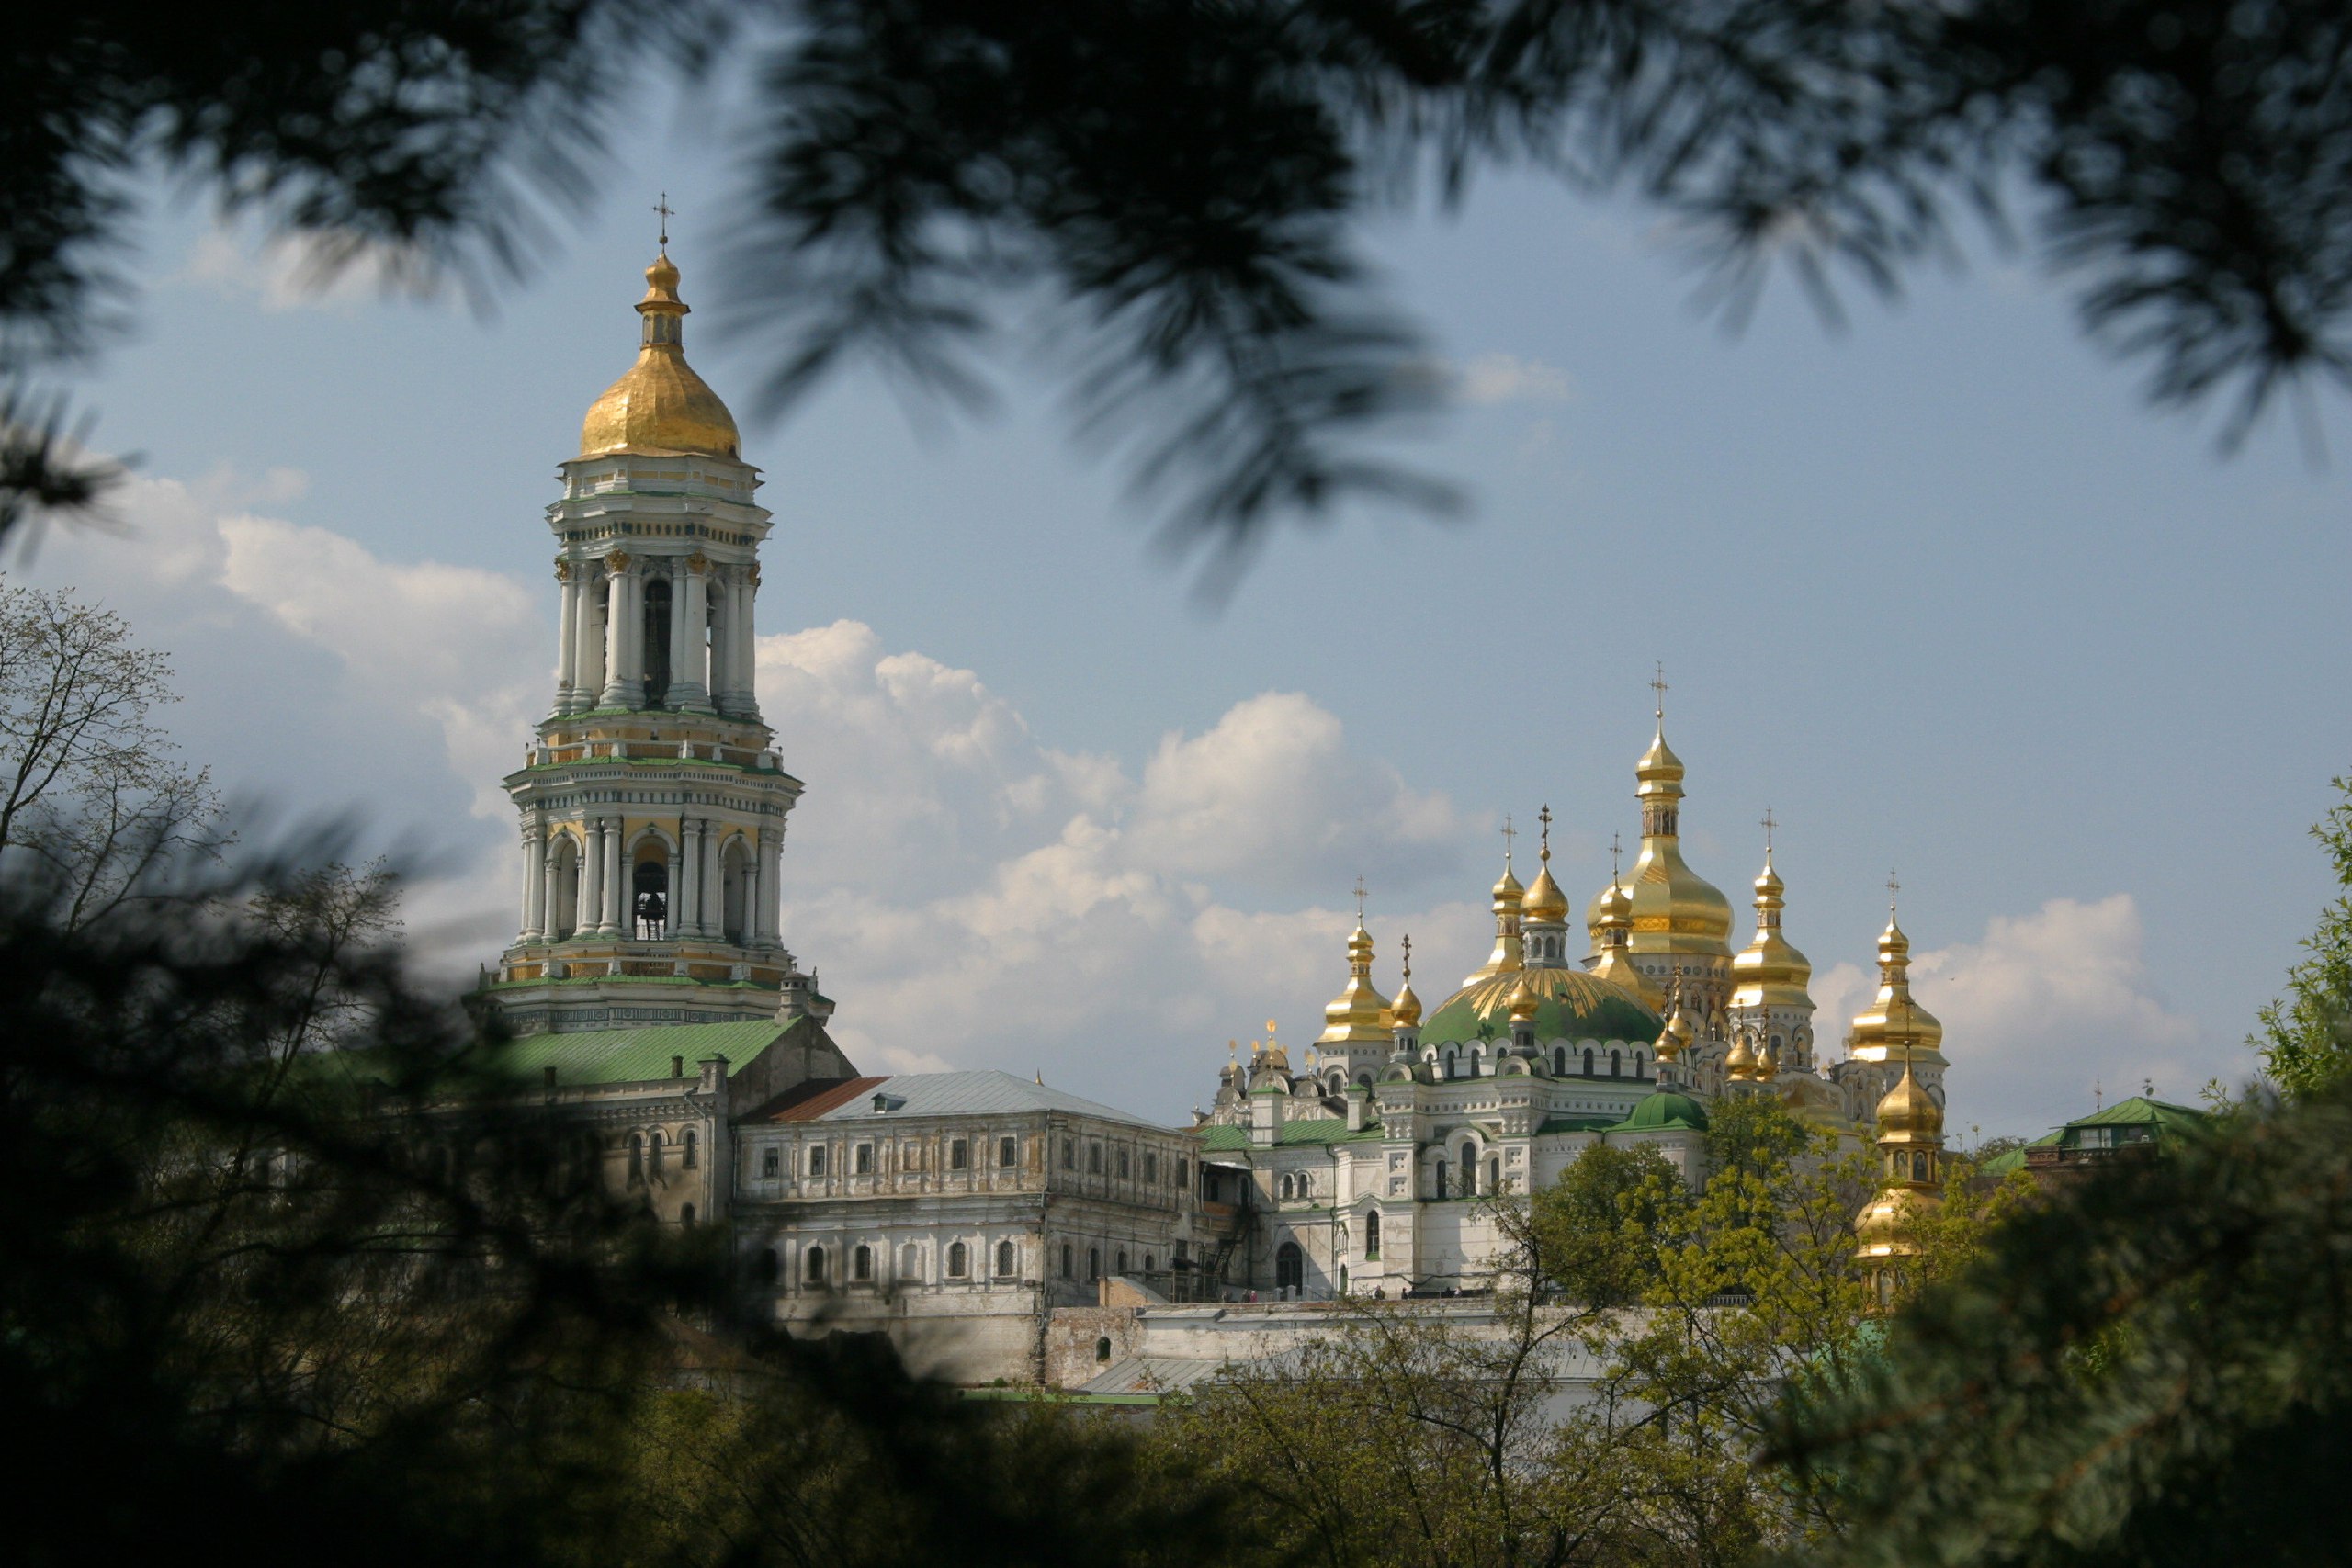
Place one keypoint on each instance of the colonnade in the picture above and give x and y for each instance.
(594, 884)
(600, 656)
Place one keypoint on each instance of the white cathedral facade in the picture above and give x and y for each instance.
(649, 993)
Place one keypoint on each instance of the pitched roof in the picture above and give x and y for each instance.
(2140, 1111)
(813, 1098)
(627, 1056)
(947, 1094)
(1227, 1136)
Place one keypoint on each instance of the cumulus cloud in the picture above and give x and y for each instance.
(315, 271)
(2043, 1009)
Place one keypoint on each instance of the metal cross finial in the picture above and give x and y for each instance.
(1359, 901)
(1409, 957)
(1509, 833)
(1769, 824)
(1614, 850)
(1545, 816)
(667, 212)
(1657, 685)
(1894, 886)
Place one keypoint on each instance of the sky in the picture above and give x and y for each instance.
(1939, 587)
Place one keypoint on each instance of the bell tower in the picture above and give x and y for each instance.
(652, 808)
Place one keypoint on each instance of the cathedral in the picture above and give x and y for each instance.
(1373, 1155)
(649, 994)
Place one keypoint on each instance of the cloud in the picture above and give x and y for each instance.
(2044, 1009)
(308, 272)
(1493, 379)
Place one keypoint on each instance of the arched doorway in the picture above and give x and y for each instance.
(563, 889)
(1290, 1268)
(650, 898)
(657, 641)
(734, 904)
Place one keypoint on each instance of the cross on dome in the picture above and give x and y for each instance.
(667, 212)
(1658, 687)
(1509, 833)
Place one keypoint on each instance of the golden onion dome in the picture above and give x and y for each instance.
(1405, 1010)
(1674, 1037)
(1545, 903)
(1523, 1001)
(1675, 908)
(1909, 1113)
(1887, 1225)
(1659, 765)
(660, 405)
(1895, 1022)
(1509, 950)
(1359, 1014)
(1769, 971)
(1740, 1064)
(1508, 890)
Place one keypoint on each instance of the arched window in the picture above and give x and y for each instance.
(1007, 1153)
(911, 1262)
(959, 1155)
(958, 1259)
(1103, 1348)
(1094, 1263)
(817, 1160)
(816, 1265)
(1449, 1063)
(734, 861)
(1560, 1061)
(1065, 1260)
(1121, 1260)
(637, 1156)
(1441, 1172)
(1007, 1260)
(649, 888)
(1372, 1236)
(1922, 1167)
(768, 1267)
(654, 1154)
(1146, 1263)
(1616, 1064)
(686, 1216)
(1285, 1188)
(1290, 1268)
(563, 887)
(1587, 1060)
(692, 1148)
(771, 1162)
(1639, 1065)
(861, 1264)
(1493, 1174)
(657, 641)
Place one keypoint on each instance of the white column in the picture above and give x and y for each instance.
(590, 918)
(771, 884)
(718, 594)
(690, 608)
(709, 883)
(550, 888)
(567, 638)
(752, 883)
(535, 879)
(625, 681)
(746, 656)
(588, 675)
(616, 918)
(681, 908)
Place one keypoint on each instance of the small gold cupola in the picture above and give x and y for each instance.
(1896, 1025)
(1359, 1015)
(660, 406)
(1910, 1142)
(1509, 953)
(1405, 1013)
(1676, 910)
(1769, 971)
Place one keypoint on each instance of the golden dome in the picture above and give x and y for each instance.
(1740, 1064)
(1675, 908)
(1888, 1224)
(1359, 1014)
(1523, 1001)
(1769, 971)
(660, 405)
(1509, 951)
(1674, 1037)
(1909, 1113)
(1405, 1013)
(1896, 1025)
(1544, 904)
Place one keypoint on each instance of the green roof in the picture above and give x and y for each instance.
(1574, 1125)
(629, 1055)
(1570, 1005)
(1663, 1108)
(2140, 1111)
(1227, 1137)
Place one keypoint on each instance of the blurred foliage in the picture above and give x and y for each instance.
(1166, 198)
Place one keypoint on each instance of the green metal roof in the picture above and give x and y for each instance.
(1570, 1005)
(1576, 1125)
(1228, 1137)
(628, 1056)
(2139, 1111)
(1663, 1108)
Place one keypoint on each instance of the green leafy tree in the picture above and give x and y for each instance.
(2306, 1035)
(1594, 1230)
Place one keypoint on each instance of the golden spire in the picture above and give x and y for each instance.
(660, 405)
(1675, 909)
(1359, 1014)
(1405, 1012)
(1895, 1020)
(1544, 904)
(1509, 951)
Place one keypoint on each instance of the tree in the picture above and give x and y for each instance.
(1594, 1231)
(1188, 181)
(2306, 1035)
(2148, 1367)
(92, 797)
